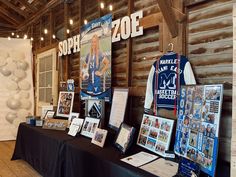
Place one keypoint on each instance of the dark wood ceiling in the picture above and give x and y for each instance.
(16, 13)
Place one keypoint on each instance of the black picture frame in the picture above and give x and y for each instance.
(124, 137)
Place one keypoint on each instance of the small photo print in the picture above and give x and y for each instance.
(160, 148)
(166, 125)
(156, 123)
(186, 121)
(200, 158)
(151, 143)
(199, 91)
(207, 147)
(142, 140)
(210, 118)
(210, 130)
(163, 136)
(99, 137)
(90, 124)
(197, 111)
(214, 106)
(195, 125)
(144, 130)
(212, 92)
(193, 139)
(188, 108)
(153, 133)
(192, 154)
(205, 109)
(147, 120)
(208, 163)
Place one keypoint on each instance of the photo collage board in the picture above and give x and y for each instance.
(198, 125)
(155, 134)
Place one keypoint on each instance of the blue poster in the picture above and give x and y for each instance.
(198, 125)
(95, 59)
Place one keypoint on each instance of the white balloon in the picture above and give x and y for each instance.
(11, 85)
(17, 96)
(11, 66)
(13, 103)
(14, 78)
(20, 73)
(11, 116)
(22, 65)
(25, 103)
(5, 71)
(16, 55)
(24, 94)
(24, 85)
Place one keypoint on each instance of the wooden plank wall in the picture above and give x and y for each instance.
(210, 51)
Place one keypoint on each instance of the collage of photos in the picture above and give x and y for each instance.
(155, 133)
(65, 103)
(198, 126)
(89, 126)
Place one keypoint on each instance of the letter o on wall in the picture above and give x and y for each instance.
(125, 27)
(65, 47)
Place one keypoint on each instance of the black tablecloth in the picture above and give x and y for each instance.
(41, 148)
(84, 159)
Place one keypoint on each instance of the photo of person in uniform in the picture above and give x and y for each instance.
(96, 64)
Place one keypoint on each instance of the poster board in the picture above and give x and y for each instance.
(95, 59)
(16, 90)
(155, 134)
(198, 125)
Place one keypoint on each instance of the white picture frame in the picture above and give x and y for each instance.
(89, 126)
(155, 134)
(72, 116)
(49, 114)
(75, 126)
(65, 104)
(99, 137)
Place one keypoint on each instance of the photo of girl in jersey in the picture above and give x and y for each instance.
(95, 59)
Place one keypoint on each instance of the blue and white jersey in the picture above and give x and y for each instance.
(164, 80)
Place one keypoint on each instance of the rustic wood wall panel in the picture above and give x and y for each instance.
(210, 53)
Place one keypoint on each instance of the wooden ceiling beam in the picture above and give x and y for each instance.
(168, 14)
(28, 5)
(40, 13)
(13, 7)
(7, 25)
(6, 18)
(194, 2)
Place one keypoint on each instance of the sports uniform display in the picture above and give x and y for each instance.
(166, 75)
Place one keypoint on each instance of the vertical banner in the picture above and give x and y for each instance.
(95, 59)
(16, 88)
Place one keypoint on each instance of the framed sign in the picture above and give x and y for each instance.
(118, 107)
(65, 104)
(124, 137)
(155, 134)
(55, 124)
(89, 126)
(198, 125)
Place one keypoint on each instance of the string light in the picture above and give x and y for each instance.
(25, 36)
(41, 38)
(67, 31)
(45, 31)
(102, 5)
(71, 22)
(53, 36)
(12, 34)
(110, 7)
(85, 22)
(9, 38)
(17, 36)
(31, 39)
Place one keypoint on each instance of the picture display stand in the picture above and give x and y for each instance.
(198, 125)
(155, 134)
(119, 102)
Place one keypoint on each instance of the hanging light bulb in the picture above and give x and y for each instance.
(9, 38)
(12, 34)
(85, 22)
(45, 31)
(25, 36)
(67, 31)
(17, 36)
(53, 36)
(110, 7)
(41, 38)
(31, 39)
(102, 5)
(71, 22)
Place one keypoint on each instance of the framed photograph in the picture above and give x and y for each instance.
(89, 126)
(155, 134)
(49, 114)
(65, 104)
(45, 109)
(71, 117)
(75, 126)
(99, 137)
(119, 102)
(124, 137)
(94, 108)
